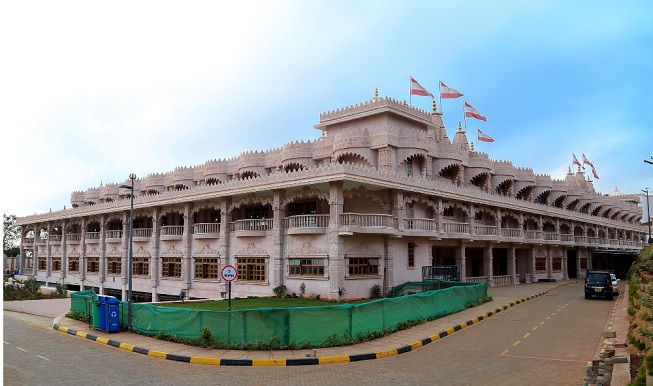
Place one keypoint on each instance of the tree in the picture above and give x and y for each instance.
(11, 235)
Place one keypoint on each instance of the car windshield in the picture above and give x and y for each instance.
(598, 277)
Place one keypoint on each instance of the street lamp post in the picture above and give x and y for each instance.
(132, 177)
(648, 212)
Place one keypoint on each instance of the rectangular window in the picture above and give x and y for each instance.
(306, 267)
(43, 264)
(140, 266)
(73, 264)
(359, 266)
(56, 263)
(557, 264)
(171, 266)
(411, 255)
(114, 265)
(251, 269)
(540, 264)
(93, 264)
(29, 262)
(206, 268)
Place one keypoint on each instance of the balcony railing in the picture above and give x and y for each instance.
(511, 232)
(550, 236)
(142, 233)
(485, 230)
(72, 237)
(92, 235)
(501, 280)
(55, 238)
(172, 230)
(261, 224)
(421, 224)
(533, 235)
(113, 234)
(206, 228)
(477, 279)
(455, 227)
(368, 220)
(580, 239)
(28, 240)
(567, 238)
(307, 221)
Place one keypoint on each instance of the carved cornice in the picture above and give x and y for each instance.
(362, 250)
(252, 250)
(305, 192)
(206, 251)
(250, 199)
(114, 252)
(172, 252)
(307, 249)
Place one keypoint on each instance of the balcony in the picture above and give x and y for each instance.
(92, 237)
(455, 228)
(307, 224)
(252, 227)
(533, 235)
(142, 234)
(551, 236)
(485, 232)
(55, 239)
(27, 240)
(368, 223)
(420, 226)
(206, 230)
(172, 232)
(113, 236)
(73, 238)
(511, 233)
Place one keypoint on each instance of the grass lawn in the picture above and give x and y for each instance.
(249, 303)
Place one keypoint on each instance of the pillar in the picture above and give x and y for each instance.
(278, 213)
(488, 264)
(337, 263)
(461, 261)
(512, 265)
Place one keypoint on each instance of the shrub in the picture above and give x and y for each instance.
(302, 290)
(376, 291)
(279, 290)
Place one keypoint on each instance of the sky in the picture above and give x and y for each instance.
(93, 91)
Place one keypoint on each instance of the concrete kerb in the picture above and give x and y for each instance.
(295, 361)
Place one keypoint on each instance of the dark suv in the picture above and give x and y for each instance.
(599, 283)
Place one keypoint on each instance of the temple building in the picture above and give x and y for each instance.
(381, 194)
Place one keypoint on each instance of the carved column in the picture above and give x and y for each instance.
(488, 264)
(512, 265)
(549, 262)
(531, 264)
(278, 215)
(225, 220)
(156, 248)
(461, 261)
(439, 216)
(64, 255)
(124, 261)
(388, 274)
(48, 258)
(186, 271)
(399, 209)
(103, 253)
(472, 220)
(499, 224)
(82, 256)
(565, 271)
(337, 264)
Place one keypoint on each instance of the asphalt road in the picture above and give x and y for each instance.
(544, 341)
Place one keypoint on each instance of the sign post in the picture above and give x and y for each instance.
(229, 274)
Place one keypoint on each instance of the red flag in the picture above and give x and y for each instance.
(417, 89)
(594, 172)
(576, 162)
(586, 161)
(448, 92)
(483, 137)
(473, 113)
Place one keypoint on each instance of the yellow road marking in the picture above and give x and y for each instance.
(516, 343)
(526, 335)
(21, 349)
(44, 358)
(505, 352)
(541, 323)
(548, 317)
(534, 328)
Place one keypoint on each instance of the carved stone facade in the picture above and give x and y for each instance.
(380, 194)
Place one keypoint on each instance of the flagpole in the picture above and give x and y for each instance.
(410, 91)
(464, 116)
(440, 93)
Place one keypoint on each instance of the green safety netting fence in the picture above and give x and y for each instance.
(300, 324)
(415, 287)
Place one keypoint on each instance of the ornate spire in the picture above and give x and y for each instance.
(376, 93)
(435, 108)
(460, 126)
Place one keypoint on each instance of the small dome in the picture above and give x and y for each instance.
(616, 193)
